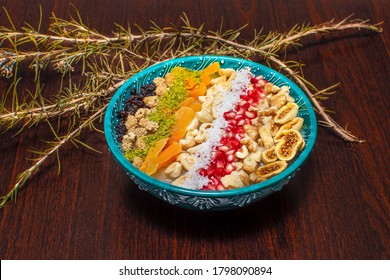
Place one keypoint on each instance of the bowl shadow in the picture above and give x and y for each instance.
(271, 212)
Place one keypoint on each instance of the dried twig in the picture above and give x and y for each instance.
(28, 173)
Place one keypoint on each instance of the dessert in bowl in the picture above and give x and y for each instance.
(210, 132)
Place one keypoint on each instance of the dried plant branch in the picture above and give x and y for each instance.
(327, 27)
(91, 66)
(274, 39)
(28, 173)
(63, 107)
(77, 34)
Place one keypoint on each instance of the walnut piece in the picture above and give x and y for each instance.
(148, 125)
(151, 101)
(140, 144)
(142, 113)
(131, 122)
(161, 86)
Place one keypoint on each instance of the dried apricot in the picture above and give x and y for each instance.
(187, 102)
(198, 90)
(196, 106)
(205, 79)
(211, 69)
(177, 135)
(190, 83)
(150, 164)
(184, 117)
(169, 154)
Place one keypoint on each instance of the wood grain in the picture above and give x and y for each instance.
(337, 207)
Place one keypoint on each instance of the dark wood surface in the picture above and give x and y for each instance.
(337, 207)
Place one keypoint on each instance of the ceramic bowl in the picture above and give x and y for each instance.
(200, 199)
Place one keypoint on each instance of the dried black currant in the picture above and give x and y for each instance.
(122, 114)
(120, 130)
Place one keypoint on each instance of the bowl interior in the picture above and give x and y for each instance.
(309, 130)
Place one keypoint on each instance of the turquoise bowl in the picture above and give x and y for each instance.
(199, 199)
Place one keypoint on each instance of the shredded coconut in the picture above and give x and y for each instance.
(205, 153)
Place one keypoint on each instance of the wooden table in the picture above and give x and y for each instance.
(337, 207)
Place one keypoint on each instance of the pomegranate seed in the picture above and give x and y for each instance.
(220, 187)
(257, 93)
(242, 103)
(229, 168)
(220, 164)
(260, 90)
(252, 108)
(255, 96)
(245, 106)
(239, 130)
(232, 131)
(214, 180)
(223, 148)
(229, 115)
(240, 112)
(230, 135)
(224, 140)
(203, 172)
(210, 186)
(244, 97)
(239, 117)
(220, 167)
(241, 122)
(256, 79)
(254, 105)
(250, 114)
(220, 155)
(235, 144)
(231, 152)
(228, 130)
(230, 158)
(220, 172)
(233, 122)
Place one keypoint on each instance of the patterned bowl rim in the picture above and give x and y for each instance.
(131, 169)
